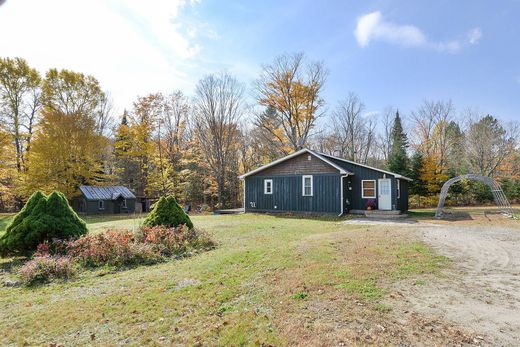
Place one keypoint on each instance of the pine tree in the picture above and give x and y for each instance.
(168, 213)
(41, 219)
(398, 160)
(417, 186)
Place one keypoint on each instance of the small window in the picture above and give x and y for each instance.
(368, 189)
(307, 185)
(124, 203)
(101, 204)
(398, 188)
(268, 186)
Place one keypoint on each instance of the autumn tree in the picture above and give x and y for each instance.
(433, 138)
(7, 171)
(70, 92)
(218, 106)
(19, 104)
(292, 88)
(173, 130)
(143, 123)
(384, 138)
(269, 132)
(488, 144)
(398, 160)
(126, 166)
(66, 153)
(354, 134)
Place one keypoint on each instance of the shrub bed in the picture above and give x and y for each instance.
(150, 245)
(43, 269)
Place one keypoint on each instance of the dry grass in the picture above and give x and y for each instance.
(272, 281)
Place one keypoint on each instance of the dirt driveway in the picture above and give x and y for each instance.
(481, 291)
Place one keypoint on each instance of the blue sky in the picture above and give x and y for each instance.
(396, 53)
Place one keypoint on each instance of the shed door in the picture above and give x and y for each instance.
(385, 194)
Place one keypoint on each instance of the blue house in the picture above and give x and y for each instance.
(311, 182)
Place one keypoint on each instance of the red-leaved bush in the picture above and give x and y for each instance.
(114, 248)
(149, 245)
(43, 269)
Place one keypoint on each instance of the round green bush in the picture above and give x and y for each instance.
(41, 219)
(168, 213)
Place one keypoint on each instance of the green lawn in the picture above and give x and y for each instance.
(271, 280)
(4, 221)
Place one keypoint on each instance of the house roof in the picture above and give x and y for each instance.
(326, 158)
(295, 154)
(396, 175)
(106, 193)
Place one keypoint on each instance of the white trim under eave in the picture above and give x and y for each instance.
(295, 154)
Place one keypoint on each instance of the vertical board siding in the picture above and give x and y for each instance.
(364, 173)
(288, 195)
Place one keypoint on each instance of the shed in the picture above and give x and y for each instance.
(104, 200)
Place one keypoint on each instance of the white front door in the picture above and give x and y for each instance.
(384, 198)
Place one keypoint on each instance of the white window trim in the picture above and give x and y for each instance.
(398, 185)
(101, 204)
(303, 185)
(363, 196)
(265, 186)
(124, 203)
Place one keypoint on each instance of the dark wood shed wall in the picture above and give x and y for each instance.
(92, 206)
(287, 194)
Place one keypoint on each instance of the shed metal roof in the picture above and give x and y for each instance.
(106, 193)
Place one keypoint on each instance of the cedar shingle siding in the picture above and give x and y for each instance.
(300, 165)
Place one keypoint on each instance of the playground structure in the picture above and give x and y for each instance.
(496, 190)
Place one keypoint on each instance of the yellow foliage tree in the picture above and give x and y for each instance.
(7, 171)
(67, 152)
(433, 174)
(292, 89)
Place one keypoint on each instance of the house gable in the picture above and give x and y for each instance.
(302, 162)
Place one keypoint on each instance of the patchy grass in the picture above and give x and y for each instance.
(5, 219)
(421, 213)
(269, 278)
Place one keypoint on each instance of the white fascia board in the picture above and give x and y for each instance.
(368, 167)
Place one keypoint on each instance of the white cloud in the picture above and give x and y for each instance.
(474, 36)
(132, 47)
(373, 27)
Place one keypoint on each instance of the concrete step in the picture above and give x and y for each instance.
(387, 216)
(377, 214)
(381, 212)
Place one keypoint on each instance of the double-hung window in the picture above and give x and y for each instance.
(101, 204)
(268, 186)
(398, 185)
(124, 203)
(307, 185)
(368, 189)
